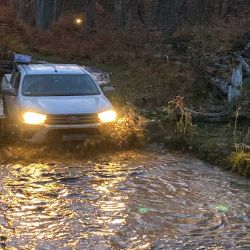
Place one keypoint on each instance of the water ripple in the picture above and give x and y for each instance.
(128, 200)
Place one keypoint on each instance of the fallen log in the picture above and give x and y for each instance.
(208, 117)
(221, 117)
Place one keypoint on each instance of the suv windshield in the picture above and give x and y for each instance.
(59, 85)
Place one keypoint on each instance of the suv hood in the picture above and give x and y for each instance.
(66, 104)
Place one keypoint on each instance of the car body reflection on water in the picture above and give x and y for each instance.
(128, 200)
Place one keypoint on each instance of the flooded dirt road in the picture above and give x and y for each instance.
(123, 200)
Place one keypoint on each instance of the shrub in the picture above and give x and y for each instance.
(127, 130)
(240, 161)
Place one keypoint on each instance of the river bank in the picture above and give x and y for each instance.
(219, 145)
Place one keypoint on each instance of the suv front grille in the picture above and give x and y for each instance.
(72, 119)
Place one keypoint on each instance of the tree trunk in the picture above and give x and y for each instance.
(169, 14)
(120, 13)
(47, 12)
(90, 14)
(128, 13)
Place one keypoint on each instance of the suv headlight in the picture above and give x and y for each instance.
(34, 118)
(107, 116)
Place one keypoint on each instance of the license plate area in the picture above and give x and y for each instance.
(74, 137)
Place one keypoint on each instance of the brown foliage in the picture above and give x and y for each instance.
(147, 78)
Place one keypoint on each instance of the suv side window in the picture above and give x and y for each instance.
(13, 77)
(17, 81)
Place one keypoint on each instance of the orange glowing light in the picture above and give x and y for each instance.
(78, 21)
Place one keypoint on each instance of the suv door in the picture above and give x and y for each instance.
(10, 102)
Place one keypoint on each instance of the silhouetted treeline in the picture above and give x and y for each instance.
(166, 15)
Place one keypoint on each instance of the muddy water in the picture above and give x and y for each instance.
(127, 200)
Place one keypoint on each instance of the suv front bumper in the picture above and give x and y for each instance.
(39, 133)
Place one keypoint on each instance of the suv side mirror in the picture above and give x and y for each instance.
(108, 89)
(9, 92)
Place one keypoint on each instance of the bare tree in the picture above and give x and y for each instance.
(23, 9)
(127, 13)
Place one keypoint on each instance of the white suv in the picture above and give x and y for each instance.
(46, 99)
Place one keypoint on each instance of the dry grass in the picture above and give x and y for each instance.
(240, 161)
(147, 80)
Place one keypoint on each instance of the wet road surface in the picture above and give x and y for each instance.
(123, 200)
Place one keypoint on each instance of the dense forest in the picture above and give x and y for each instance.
(166, 15)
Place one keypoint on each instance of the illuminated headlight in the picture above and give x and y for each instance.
(34, 118)
(107, 116)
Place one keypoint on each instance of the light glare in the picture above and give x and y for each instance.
(78, 21)
(34, 118)
(107, 116)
